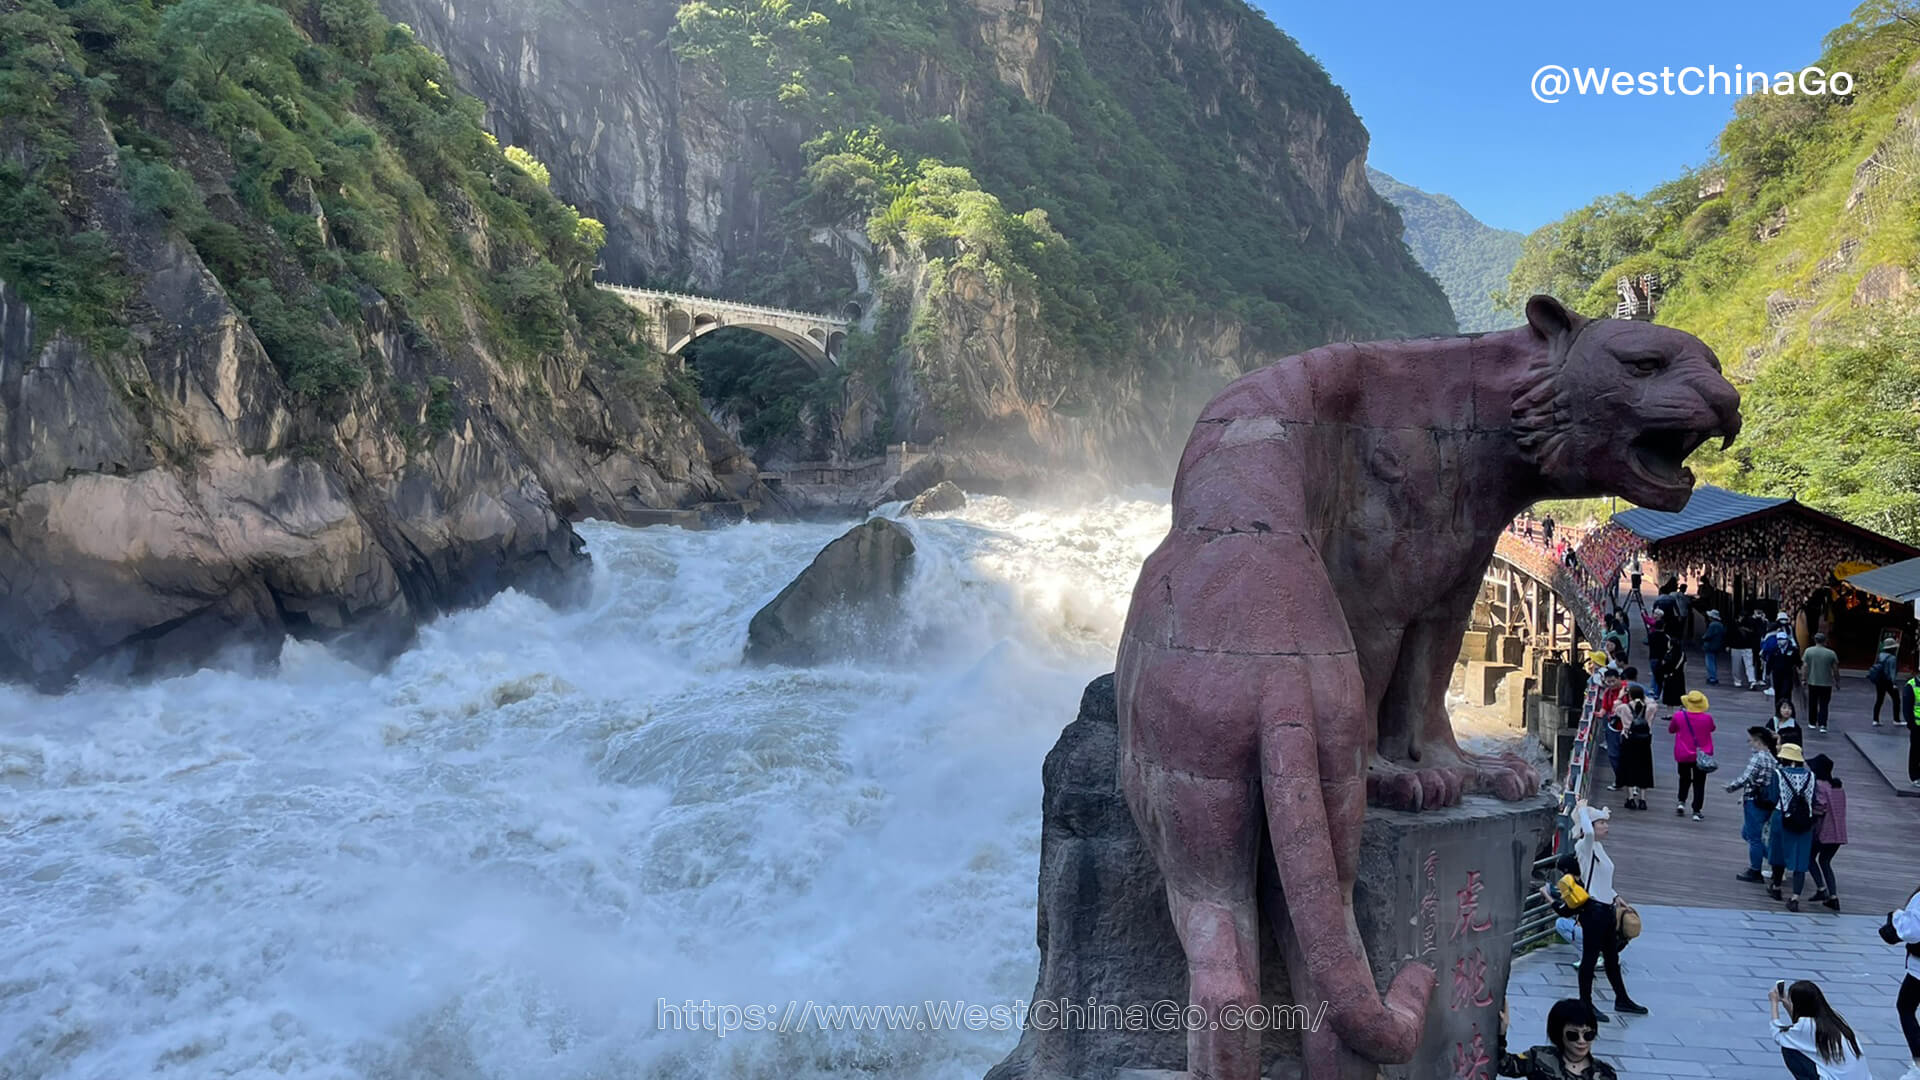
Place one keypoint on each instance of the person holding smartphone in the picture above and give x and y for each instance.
(1815, 1041)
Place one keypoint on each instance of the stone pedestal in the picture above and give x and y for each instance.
(1443, 886)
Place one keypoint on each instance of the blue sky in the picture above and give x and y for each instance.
(1443, 89)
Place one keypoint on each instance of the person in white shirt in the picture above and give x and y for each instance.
(1599, 930)
(1815, 1041)
(1903, 926)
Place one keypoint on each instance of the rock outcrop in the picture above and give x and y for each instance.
(943, 497)
(842, 605)
(167, 498)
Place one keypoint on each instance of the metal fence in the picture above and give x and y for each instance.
(1535, 927)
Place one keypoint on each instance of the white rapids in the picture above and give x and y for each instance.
(497, 857)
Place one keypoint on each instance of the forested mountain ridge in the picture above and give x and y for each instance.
(1470, 259)
(1793, 254)
(289, 344)
(1066, 222)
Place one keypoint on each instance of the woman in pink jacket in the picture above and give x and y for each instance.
(1830, 828)
(1692, 729)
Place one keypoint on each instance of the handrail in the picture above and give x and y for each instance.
(787, 313)
(1536, 922)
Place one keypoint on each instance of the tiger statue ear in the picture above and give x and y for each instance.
(1552, 320)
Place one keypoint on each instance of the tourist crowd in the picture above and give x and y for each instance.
(1793, 822)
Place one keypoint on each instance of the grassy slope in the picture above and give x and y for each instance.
(322, 166)
(1767, 271)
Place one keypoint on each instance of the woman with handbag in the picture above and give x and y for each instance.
(1600, 915)
(1633, 719)
(1692, 729)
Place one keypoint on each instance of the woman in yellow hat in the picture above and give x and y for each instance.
(1691, 726)
(1793, 822)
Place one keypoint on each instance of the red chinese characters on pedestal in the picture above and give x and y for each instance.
(1430, 906)
(1470, 969)
(1470, 1060)
(1470, 981)
(1468, 907)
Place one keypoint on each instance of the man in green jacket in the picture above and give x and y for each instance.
(1822, 664)
(1910, 716)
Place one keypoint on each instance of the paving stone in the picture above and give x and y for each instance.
(1707, 992)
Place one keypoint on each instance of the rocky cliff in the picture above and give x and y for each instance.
(1163, 194)
(195, 451)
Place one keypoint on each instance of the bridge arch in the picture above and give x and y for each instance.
(678, 320)
(812, 352)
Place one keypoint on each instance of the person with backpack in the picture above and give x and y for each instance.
(1634, 771)
(1756, 634)
(1822, 664)
(1711, 642)
(1691, 726)
(1781, 650)
(1830, 830)
(1792, 844)
(1903, 927)
(1757, 801)
(1884, 675)
(1815, 1041)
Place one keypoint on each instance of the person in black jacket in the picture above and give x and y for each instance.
(1673, 676)
(1571, 1029)
(1657, 640)
(1711, 643)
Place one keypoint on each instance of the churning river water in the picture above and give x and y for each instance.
(497, 857)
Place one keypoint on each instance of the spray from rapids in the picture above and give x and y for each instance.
(496, 858)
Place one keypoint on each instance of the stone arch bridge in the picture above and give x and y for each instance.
(678, 319)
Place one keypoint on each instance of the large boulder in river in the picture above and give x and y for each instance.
(941, 498)
(842, 604)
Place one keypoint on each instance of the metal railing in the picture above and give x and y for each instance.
(1536, 924)
(689, 300)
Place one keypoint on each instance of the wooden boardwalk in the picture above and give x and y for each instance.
(1661, 858)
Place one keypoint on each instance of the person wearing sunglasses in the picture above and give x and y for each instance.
(1571, 1028)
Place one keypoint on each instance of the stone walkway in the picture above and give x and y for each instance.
(1704, 974)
